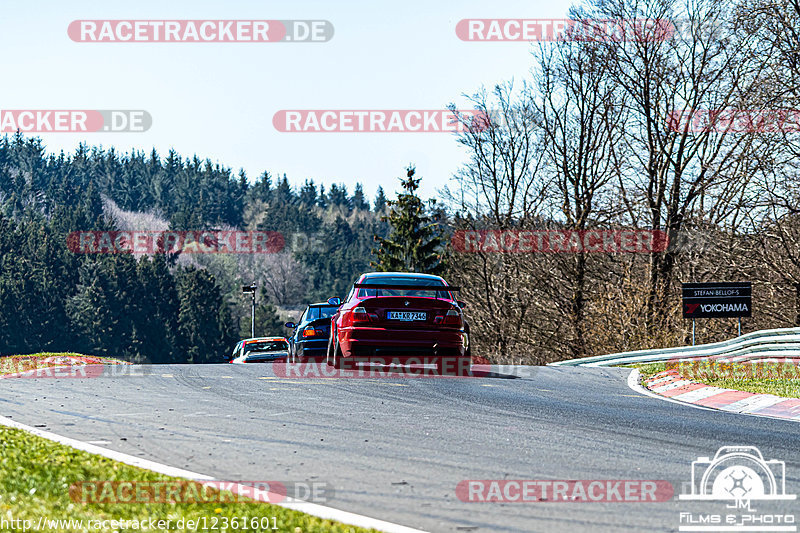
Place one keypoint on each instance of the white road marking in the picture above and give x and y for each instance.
(699, 394)
(289, 503)
(753, 403)
(673, 385)
(663, 380)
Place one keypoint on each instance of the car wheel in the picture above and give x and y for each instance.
(330, 356)
(339, 362)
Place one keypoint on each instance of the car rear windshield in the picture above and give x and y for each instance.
(315, 313)
(265, 346)
(414, 282)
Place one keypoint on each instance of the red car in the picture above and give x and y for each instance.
(391, 317)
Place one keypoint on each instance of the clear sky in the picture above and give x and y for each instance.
(218, 100)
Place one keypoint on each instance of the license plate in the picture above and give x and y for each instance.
(406, 316)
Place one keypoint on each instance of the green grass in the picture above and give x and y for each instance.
(780, 379)
(36, 475)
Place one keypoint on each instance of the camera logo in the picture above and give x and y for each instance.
(738, 473)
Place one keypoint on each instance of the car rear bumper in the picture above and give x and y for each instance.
(401, 343)
(315, 348)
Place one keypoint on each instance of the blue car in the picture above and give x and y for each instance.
(310, 336)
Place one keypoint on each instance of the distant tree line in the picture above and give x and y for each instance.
(161, 308)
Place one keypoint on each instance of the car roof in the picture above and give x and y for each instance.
(259, 339)
(409, 275)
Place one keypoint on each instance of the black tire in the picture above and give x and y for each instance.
(329, 357)
(333, 357)
(339, 362)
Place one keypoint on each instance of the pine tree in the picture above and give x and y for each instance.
(337, 195)
(93, 311)
(156, 326)
(204, 321)
(322, 198)
(358, 200)
(262, 189)
(380, 200)
(414, 242)
(308, 194)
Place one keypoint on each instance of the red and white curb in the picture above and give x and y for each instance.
(670, 384)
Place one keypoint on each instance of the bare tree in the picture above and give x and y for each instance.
(634, 132)
(503, 144)
(499, 187)
(582, 122)
(284, 278)
(673, 169)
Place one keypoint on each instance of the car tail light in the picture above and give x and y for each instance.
(360, 315)
(311, 332)
(451, 318)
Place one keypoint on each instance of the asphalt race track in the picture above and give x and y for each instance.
(395, 449)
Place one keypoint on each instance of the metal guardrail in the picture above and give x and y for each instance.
(768, 343)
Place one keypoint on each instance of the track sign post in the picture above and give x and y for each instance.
(251, 290)
(717, 300)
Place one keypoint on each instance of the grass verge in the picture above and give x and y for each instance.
(36, 476)
(780, 379)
